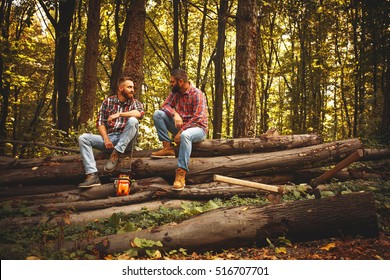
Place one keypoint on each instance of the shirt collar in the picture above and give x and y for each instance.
(128, 102)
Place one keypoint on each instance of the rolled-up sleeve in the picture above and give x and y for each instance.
(102, 115)
(137, 105)
(169, 104)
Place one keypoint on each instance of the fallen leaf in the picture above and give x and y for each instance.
(328, 246)
(32, 258)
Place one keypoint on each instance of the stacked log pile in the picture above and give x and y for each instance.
(50, 184)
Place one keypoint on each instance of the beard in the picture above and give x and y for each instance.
(176, 89)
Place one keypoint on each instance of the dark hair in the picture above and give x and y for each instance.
(179, 74)
(124, 78)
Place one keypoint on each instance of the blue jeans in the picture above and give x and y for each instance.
(165, 124)
(89, 141)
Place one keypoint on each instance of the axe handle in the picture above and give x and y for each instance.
(246, 183)
(355, 156)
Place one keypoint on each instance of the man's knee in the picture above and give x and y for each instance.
(185, 136)
(83, 138)
(158, 114)
(132, 121)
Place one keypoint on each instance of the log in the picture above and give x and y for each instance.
(81, 194)
(261, 144)
(89, 216)
(154, 190)
(377, 153)
(206, 148)
(201, 169)
(303, 220)
(238, 166)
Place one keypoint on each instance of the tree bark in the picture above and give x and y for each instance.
(66, 10)
(91, 57)
(350, 214)
(121, 51)
(89, 216)
(135, 45)
(261, 144)
(244, 122)
(176, 55)
(218, 61)
(201, 169)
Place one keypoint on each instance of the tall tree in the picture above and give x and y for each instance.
(219, 66)
(61, 26)
(244, 122)
(201, 40)
(176, 53)
(90, 62)
(5, 12)
(135, 44)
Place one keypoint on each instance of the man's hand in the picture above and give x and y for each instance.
(108, 144)
(177, 138)
(113, 117)
(178, 120)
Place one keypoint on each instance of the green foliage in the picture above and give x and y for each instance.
(279, 244)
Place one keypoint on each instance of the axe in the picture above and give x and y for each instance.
(270, 188)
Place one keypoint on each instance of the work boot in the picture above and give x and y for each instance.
(91, 180)
(112, 162)
(180, 180)
(166, 152)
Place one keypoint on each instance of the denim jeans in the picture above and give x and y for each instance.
(89, 141)
(165, 124)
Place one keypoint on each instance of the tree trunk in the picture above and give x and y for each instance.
(259, 144)
(350, 214)
(135, 45)
(201, 169)
(176, 55)
(201, 45)
(62, 54)
(120, 53)
(244, 122)
(5, 14)
(89, 216)
(218, 61)
(87, 108)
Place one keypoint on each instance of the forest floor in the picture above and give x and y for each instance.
(325, 249)
(14, 245)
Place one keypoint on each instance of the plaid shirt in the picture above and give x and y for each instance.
(191, 106)
(112, 105)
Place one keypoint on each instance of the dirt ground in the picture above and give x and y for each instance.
(325, 249)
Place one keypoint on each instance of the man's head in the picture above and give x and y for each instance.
(178, 80)
(125, 89)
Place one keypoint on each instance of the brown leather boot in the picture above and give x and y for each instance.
(180, 180)
(166, 152)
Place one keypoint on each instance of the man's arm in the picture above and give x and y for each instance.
(133, 113)
(169, 105)
(199, 104)
(103, 132)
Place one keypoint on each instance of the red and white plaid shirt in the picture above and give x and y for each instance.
(191, 106)
(112, 105)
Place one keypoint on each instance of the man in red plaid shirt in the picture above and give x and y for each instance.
(184, 115)
(118, 127)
